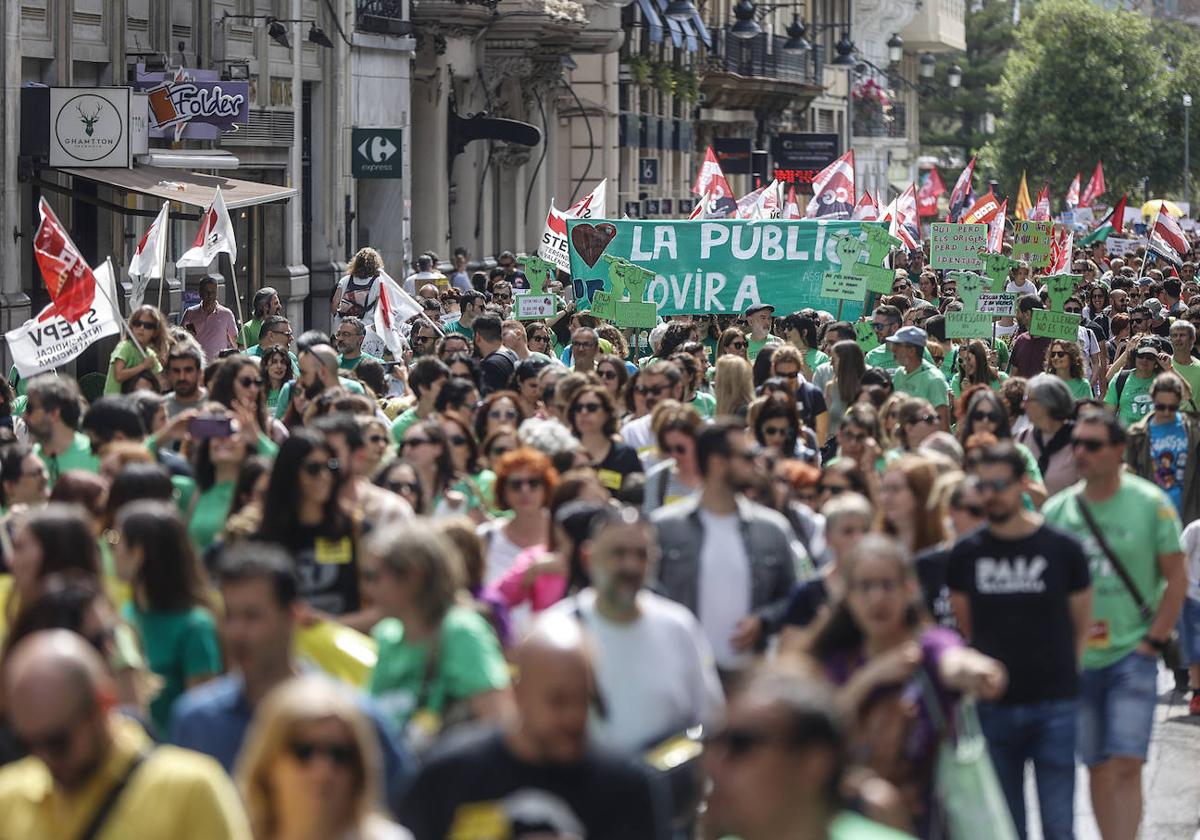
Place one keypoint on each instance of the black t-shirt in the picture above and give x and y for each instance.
(931, 572)
(1019, 594)
(621, 460)
(478, 784)
(327, 569)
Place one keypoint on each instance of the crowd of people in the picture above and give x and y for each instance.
(746, 576)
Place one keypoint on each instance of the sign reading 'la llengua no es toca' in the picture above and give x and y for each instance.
(715, 266)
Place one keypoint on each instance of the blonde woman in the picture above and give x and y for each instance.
(311, 767)
(733, 385)
(148, 328)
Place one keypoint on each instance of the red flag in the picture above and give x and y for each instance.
(996, 228)
(1167, 239)
(1041, 210)
(962, 188)
(68, 277)
(984, 210)
(866, 210)
(927, 196)
(791, 208)
(1062, 242)
(1095, 187)
(1116, 216)
(1073, 193)
(833, 190)
(710, 178)
(903, 222)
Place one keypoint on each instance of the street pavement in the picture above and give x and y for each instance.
(1170, 782)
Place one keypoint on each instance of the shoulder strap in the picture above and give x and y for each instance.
(111, 799)
(599, 705)
(1146, 612)
(1122, 378)
(433, 658)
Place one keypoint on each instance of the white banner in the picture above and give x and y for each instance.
(1115, 246)
(49, 340)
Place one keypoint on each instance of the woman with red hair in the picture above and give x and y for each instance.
(525, 483)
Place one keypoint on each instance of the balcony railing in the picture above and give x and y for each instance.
(762, 56)
(388, 17)
(871, 122)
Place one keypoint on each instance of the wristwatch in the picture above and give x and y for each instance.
(1159, 645)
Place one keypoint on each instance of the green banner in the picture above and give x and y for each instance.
(716, 266)
(956, 246)
(1031, 243)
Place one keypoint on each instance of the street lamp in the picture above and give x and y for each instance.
(796, 42)
(895, 47)
(954, 76)
(746, 27)
(845, 51)
(680, 10)
(1187, 162)
(927, 66)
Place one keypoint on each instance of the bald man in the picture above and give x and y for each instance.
(537, 776)
(318, 372)
(92, 772)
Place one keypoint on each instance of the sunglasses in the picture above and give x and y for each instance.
(315, 468)
(421, 339)
(990, 416)
(1073, 311)
(857, 437)
(995, 485)
(501, 414)
(377, 439)
(652, 390)
(542, 338)
(1088, 444)
(738, 345)
(676, 450)
(1058, 354)
(249, 382)
(925, 418)
(1166, 406)
(607, 374)
(774, 431)
(587, 408)
(146, 325)
(403, 486)
(520, 484)
(415, 441)
(343, 755)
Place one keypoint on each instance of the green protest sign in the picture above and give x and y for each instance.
(864, 334)
(1031, 243)
(879, 244)
(874, 278)
(1060, 287)
(1059, 325)
(957, 246)
(715, 266)
(969, 323)
(535, 304)
(613, 305)
(996, 268)
(840, 286)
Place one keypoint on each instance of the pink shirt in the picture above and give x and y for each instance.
(545, 591)
(215, 332)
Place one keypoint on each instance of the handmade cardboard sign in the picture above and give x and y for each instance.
(534, 304)
(996, 268)
(998, 303)
(626, 278)
(1031, 243)
(842, 286)
(969, 323)
(1054, 323)
(957, 246)
(873, 278)
(864, 334)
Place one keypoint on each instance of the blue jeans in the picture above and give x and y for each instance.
(1043, 733)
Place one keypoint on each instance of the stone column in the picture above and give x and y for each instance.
(430, 97)
(14, 303)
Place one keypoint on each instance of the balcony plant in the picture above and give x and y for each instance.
(687, 84)
(664, 78)
(639, 69)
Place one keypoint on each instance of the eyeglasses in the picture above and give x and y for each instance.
(900, 287)
(1089, 444)
(377, 439)
(587, 408)
(1073, 311)
(249, 382)
(989, 416)
(787, 374)
(582, 345)
(1058, 354)
(1166, 406)
(288, 333)
(857, 437)
(924, 418)
(315, 468)
(652, 390)
(676, 450)
(146, 325)
(502, 297)
(607, 373)
(421, 339)
(545, 339)
(343, 755)
(520, 484)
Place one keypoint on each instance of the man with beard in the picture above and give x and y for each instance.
(52, 416)
(185, 366)
(1021, 592)
(537, 777)
(654, 667)
(729, 560)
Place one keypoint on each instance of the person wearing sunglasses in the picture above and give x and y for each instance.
(1021, 592)
(980, 410)
(677, 476)
(891, 667)
(1128, 392)
(1133, 523)
(1164, 446)
(1064, 359)
(524, 484)
(311, 766)
(239, 386)
(733, 340)
(498, 410)
(147, 330)
(593, 420)
(445, 492)
(24, 481)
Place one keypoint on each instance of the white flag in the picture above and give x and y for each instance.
(395, 307)
(48, 340)
(215, 236)
(146, 264)
(591, 206)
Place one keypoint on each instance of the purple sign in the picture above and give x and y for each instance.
(193, 104)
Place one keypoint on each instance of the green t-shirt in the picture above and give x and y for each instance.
(706, 404)
(469, 662)
(248, 334)
(926, 382)
(1140, 524)
(351, 364)
(1135, 402)
(78, 456)
(882, 357)
(1190, 373)
(285, 394)
(956, 383)
(128, 353)
(1080, 388)
(402, 423)
(180, 646)
(752, 346)
(456, 326)
(209, 514)
(814, 358)
(257, 352)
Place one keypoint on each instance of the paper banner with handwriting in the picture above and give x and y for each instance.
(716, 266)
(957, 246)
(1031, 242)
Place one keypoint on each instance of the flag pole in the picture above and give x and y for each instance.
(116, 311)
(237, 298)
(162, 268)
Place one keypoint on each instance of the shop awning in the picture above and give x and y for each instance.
(185, 187)
(652, 20)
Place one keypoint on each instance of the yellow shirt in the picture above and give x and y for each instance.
(176, 794)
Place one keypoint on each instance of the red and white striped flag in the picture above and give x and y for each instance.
(958, 196)
(1073, 193)
(710, 178)
(68, 277)
(1167, 239)
(833, 190)
(1095, 187)
(1062, 244)
(996, 228)
(866, 210)
(1041, 210)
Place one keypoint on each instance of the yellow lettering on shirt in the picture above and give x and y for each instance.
(480, 821)
(337, 552)
(610, 479)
